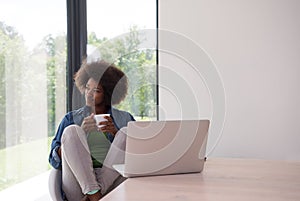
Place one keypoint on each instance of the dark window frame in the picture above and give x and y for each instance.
(76, 47)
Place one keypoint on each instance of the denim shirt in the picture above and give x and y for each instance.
(120, 119)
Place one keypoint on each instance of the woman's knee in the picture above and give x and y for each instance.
(71, 133)
(120, 138)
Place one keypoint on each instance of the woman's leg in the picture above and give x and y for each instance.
(107, 176)
(78, 176)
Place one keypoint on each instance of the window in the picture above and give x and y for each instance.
(36, 86)
(32, 84)
(120, 32)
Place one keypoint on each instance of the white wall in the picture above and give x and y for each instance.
(254, 47)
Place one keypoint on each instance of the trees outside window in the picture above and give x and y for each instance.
(138, 63)
(117, 32)
(32, 85)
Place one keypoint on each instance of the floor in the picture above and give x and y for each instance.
(33, 189)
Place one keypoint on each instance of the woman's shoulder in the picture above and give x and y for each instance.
(121, 114)
(75, 116)
(117, 112)
(85, 110)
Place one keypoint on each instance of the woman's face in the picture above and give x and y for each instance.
(94, 94)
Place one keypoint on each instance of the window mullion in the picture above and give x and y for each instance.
(77, 40)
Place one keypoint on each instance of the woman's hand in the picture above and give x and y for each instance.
(89, 124)
(109, 126)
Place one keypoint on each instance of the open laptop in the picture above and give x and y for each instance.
(164, 147)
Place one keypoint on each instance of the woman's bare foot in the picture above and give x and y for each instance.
(95, 197)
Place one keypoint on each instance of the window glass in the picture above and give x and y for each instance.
(32, 85)
(124, 33)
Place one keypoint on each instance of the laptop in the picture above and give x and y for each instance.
(164, 147)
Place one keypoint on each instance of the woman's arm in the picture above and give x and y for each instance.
(55, 153)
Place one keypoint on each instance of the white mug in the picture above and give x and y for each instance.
(99, 118)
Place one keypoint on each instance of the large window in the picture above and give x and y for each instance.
(32, 84)
(35, 85)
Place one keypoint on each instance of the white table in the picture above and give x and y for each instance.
(222, 179)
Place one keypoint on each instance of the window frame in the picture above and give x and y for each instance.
(76, 47)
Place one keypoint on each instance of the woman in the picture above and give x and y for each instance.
(86, 169)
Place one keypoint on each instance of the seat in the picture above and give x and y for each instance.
(55, 184)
